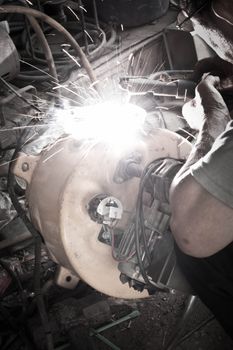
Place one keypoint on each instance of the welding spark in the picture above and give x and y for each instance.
(72, 11)
(188, 133)
(52, 155)
(112, 123)
(21, 127)
(83, 8)
(40, 70)
(86, 32)
(72, 57)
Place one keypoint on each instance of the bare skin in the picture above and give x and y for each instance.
(201, 224)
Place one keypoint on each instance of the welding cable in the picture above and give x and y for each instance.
(54, 24)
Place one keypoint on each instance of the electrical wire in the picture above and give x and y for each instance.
(139, 223)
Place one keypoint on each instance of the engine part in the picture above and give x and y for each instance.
(62, 214)
(9, 59)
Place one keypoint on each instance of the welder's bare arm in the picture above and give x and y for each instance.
(200, 223)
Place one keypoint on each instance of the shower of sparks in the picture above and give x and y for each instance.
(95, 122)
(110, 122)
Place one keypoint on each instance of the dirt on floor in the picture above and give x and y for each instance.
(160, 326)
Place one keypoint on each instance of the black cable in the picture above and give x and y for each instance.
(37, 244)
(139, 222)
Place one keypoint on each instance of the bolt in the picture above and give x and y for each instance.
(68, 278)
(25, 166)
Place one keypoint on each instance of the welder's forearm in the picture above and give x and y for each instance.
(212, 127)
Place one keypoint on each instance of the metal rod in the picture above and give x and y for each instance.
(96, 14)
(133, 314)
(105, 340)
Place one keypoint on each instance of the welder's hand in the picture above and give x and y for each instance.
(208, 103)
(208, 96)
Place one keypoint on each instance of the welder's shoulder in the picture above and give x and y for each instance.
(201, 224)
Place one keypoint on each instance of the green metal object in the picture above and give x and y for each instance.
(96, 332)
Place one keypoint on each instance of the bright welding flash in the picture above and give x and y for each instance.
(112, 123)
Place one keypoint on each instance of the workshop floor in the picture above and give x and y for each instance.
(159, 321)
